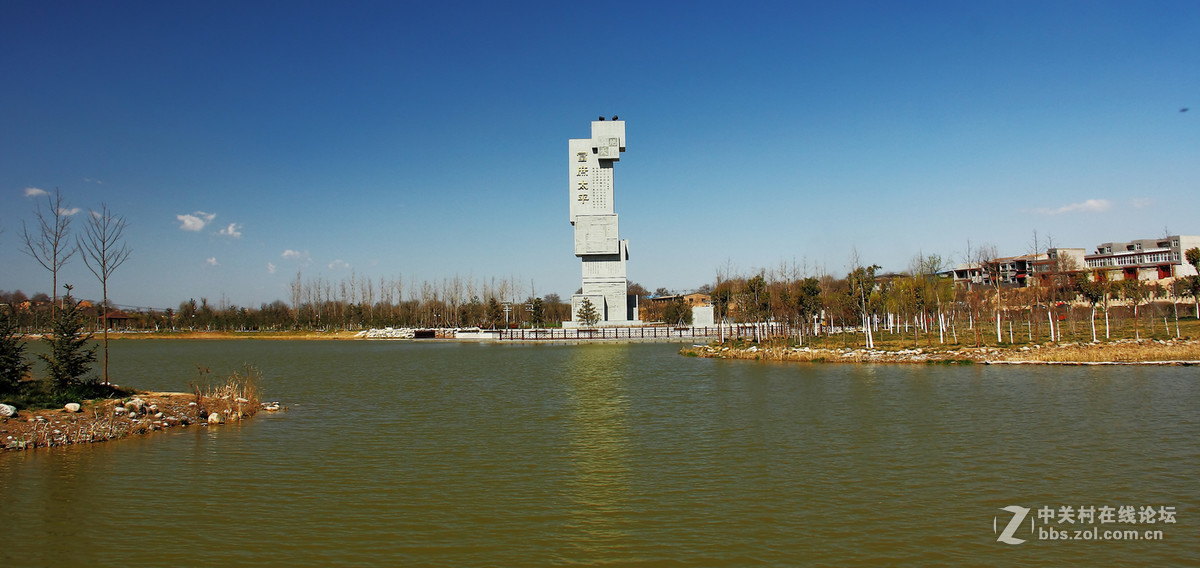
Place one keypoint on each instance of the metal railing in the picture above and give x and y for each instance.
(638, 333)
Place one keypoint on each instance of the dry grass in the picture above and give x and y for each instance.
(1125, 351)
(237, 398)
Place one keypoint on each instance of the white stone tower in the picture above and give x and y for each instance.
(596, 242)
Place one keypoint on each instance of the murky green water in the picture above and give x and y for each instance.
(444, 454)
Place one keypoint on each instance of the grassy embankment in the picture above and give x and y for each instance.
(1154, 346)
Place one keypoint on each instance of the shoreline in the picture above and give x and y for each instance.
(1177, 352)
(102, 420)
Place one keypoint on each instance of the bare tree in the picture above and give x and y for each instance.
(989, 263)
(103, 253)
(51, 245)
(297, 290)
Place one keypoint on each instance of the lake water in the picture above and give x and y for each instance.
(450, 454)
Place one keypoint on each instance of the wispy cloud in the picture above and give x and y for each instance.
(233, 230)
(95, 181)
(196, 221)
(69, 211)
(212, 261)
(271, 268)
(301, 256)
(1089, 206)
(1142, 202)
(35, 192)
(338, 264)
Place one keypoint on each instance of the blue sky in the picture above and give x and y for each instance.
(421, 141)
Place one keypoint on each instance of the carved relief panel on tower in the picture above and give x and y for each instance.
(596, 234)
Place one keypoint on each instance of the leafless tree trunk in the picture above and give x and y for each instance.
(103, 253)
(297, 289)
(51, 245)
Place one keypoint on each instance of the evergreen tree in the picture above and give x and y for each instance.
(537, 312)
(13, 366)
(587, 314)
(70, 357)
(494, 313)
(678, 312)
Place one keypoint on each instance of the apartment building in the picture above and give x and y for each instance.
(1144, 259)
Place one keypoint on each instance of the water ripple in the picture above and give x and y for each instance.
(486, 455)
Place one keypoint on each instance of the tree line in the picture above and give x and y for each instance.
(922, 302)
(924, 306)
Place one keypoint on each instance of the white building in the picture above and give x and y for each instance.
(597, 243)
(1144, 259)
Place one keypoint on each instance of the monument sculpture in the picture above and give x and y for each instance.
(596, 242)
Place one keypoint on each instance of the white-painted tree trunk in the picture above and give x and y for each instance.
(941, 328)
(867, 329)
(1093, 324)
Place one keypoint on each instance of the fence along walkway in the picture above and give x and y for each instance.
(635, 333)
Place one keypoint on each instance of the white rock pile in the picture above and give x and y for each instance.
(387, 333)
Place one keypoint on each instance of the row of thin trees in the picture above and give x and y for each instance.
(356, 304)
(924, 306)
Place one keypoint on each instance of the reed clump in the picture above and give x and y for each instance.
(236, 398)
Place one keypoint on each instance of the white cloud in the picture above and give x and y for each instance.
(1089, 206)
(95, 181)
(302, 256)
(35, 192)
(338, 264)
(233, 230)
(69, 212)
(212, 261)
(1142, 202)
(270, 268)
(196, 221)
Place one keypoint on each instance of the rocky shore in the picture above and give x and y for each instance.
(1124, 352)
(101, 420)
